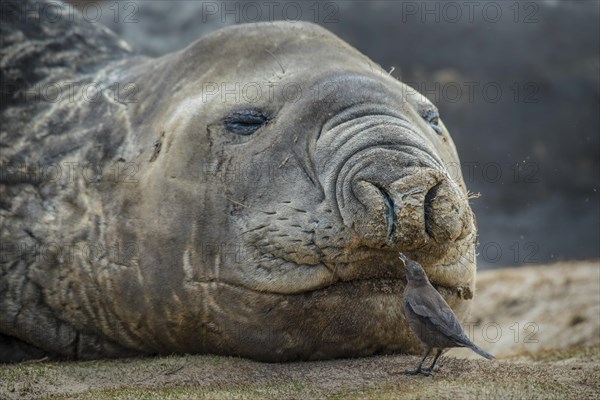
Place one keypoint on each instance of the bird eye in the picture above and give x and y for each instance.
(433, 118)
(245, 122)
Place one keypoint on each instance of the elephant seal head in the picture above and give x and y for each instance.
(291, 172)
(279, 172)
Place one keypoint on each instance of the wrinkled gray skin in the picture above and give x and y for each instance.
(178, 246)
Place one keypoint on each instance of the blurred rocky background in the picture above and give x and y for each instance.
(517, 84)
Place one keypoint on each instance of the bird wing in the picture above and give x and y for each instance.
(431, 309)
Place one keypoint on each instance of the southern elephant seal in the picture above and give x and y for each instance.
(247, 195)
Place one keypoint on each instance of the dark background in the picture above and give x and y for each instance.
(517, 85)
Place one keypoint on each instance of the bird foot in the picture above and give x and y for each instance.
(431, 369)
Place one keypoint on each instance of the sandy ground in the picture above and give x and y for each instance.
(528, 309)
(557, 356)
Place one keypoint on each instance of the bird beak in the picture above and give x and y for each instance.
(404, 259)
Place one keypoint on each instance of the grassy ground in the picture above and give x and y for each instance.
(558, 374)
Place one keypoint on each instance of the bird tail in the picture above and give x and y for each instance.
(482, 352)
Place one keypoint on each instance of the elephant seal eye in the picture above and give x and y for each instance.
(245, 122)
(433, 118)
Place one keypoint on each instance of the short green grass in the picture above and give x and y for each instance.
(284, 390)
(550, 374)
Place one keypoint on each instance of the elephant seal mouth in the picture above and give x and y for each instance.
(365, 266)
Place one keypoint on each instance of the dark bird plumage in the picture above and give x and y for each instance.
(431, 318)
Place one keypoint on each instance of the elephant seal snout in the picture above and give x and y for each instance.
(299, 267)
(423, 207)
(390, 182)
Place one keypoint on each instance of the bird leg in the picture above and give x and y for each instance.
(437, 355)
(419, 369)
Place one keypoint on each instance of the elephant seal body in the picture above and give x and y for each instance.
(247, 196)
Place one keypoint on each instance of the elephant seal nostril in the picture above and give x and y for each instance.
(390, 213)
(428, 208)
(376, 221)
(443, 213)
